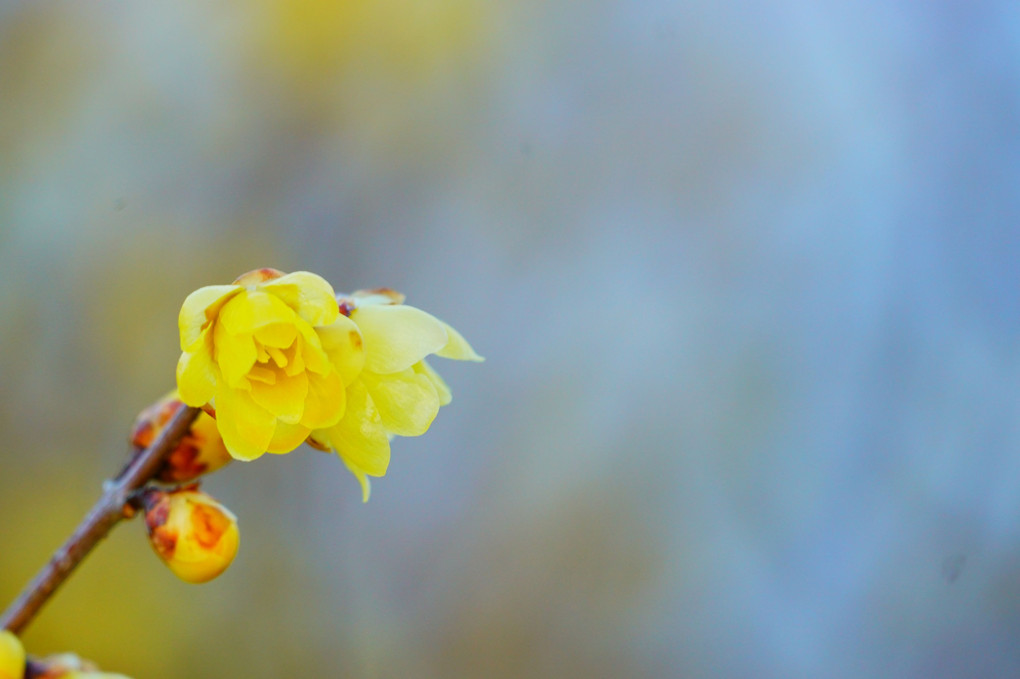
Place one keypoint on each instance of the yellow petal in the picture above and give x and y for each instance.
(407, 401)
(457, 347)
(196, 377)
(326, 401)
(285, 398)
(247, 312)
(246, 427)
(199, 308)
(397, 336)
(306, 293)
(310, 351)
(12, 656)
(366, 484)
(442, 389)
(341, 340)
(287, 437)
(359, 438)
(234, 354)
(277, 335)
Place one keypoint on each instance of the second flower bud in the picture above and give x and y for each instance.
(195, 536)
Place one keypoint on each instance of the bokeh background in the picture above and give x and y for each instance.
(746, 276)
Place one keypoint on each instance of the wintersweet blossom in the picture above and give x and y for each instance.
(397, 392)
(12, 656)
(272, 355)
(194, 535)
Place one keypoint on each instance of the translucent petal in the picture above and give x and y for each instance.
(234, 354)
(457, 347)
(287, 437)
(397, 336)
(246, 427)
(277, 335)
(407, 401)
(309, 349)
(306, 293)
(285, 398)
(196, 377)
(359, 437)
(326, 401)
(445, 395)
(199, 308)
(250, 311)
(366, 484)
(341, 340)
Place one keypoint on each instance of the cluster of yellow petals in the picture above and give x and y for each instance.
(272, 354)
(281, 359)
(397, 392)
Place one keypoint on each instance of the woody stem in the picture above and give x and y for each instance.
(103, 516)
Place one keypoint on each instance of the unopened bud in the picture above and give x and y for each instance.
(66, 666)
(194, 535)
(199, 452)
(12, 656)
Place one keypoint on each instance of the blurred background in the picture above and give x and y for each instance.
(745, 276)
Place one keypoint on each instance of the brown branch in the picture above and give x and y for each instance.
(103, 516)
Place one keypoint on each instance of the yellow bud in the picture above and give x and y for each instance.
(200, 451)
(12, 656)
(67, 666)
(194, 535)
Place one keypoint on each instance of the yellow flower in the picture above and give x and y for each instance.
(12, 656)
(397, 391)
(200, 451)
(271, 354)
(194, 535)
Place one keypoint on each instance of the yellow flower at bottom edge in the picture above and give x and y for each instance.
(273, 356)
(12, 656)
(397, 391)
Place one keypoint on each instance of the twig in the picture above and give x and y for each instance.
(103, 516)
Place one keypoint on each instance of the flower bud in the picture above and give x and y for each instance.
(194, 535)
(12, 656)
(199, 452)
(66, 666)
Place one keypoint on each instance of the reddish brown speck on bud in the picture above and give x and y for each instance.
(346, 305)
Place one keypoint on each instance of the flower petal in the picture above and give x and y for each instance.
(306, 293)
(341, 340)
(199, 308)
(326, 401)
(196, 377)
(246, 427)
(285, 398)
(287, 437)
(407, 401)
(397, 336)
(366, 484)
(445, 395)
(235, 355)
(246, 313)
(457, 347)
(359, 438)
